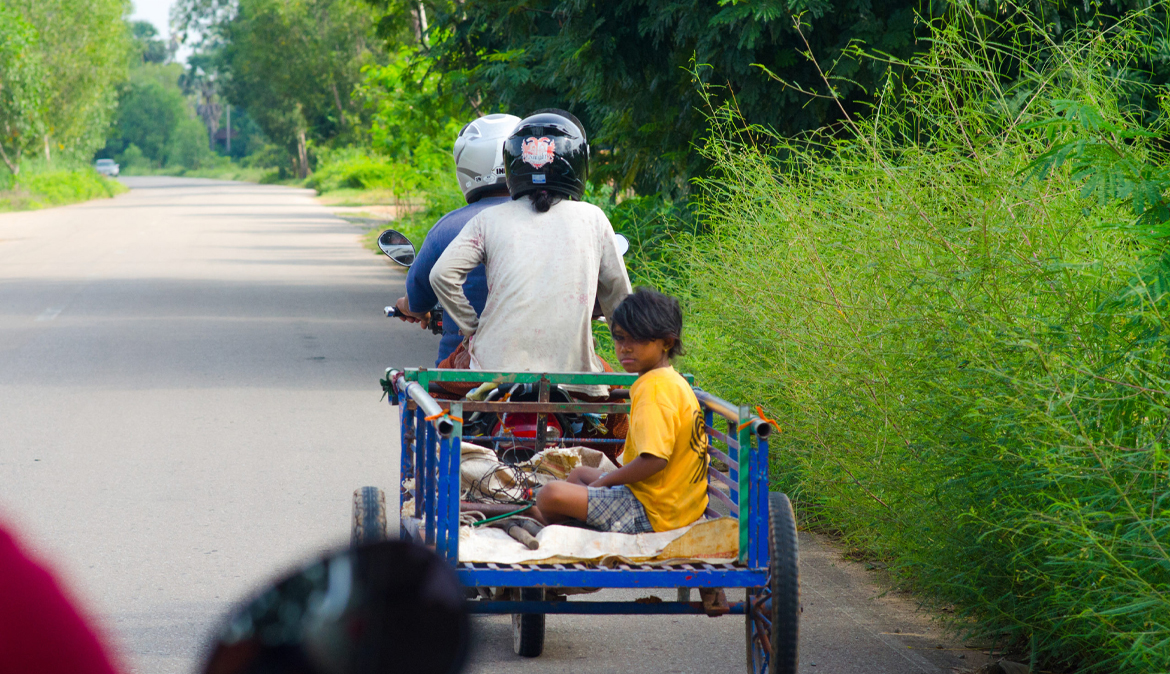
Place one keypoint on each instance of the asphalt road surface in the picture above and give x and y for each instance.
(189, 386)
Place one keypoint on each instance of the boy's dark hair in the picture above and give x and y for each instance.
(648, 314)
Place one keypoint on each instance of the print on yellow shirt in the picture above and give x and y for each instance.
(666, 421)
(698, 445)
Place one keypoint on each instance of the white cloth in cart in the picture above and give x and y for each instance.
(483, 477)
(709, 540)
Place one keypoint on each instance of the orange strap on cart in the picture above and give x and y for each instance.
(760, 414)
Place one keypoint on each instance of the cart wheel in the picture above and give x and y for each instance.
(369, 516)
(528, 628)
(773, 616)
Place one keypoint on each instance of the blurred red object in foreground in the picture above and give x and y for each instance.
(40, 630)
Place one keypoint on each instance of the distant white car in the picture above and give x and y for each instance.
(107, 167)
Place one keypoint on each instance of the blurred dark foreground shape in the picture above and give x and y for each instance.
(393, 606)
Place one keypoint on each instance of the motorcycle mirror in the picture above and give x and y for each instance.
(393, 606)
(623, 244)
(396, 247)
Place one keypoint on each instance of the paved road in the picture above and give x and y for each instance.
(189, 384)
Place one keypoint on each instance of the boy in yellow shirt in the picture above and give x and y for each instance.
(662, 483)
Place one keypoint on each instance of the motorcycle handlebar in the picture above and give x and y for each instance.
(434, 320)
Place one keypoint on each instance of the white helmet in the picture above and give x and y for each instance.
(479, 158)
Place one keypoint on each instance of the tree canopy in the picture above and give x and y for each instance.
(22, 96)
(637, 71)
(83, 45)
(292, 64)
(154, 124)
(147, 43)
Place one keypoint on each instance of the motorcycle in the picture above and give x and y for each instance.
(393, 606)
(398, 248)
(512, 435)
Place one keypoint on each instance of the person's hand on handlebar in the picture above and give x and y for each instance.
(404, 312)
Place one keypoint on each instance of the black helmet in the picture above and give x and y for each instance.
(547, 151)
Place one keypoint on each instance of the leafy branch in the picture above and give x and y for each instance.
(1106, 157)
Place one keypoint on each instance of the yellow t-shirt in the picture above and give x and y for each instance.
(666, 421)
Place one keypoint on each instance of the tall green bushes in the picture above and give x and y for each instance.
(969, 364)
(22, 96)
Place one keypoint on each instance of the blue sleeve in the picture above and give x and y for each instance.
(418, 278)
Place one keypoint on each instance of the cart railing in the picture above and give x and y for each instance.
(431, 434)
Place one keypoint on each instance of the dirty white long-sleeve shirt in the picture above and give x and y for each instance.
(544, 271)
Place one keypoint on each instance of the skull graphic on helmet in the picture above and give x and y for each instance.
(537, 152)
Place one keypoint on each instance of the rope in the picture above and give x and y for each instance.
(470, 518)
(523, 484)
(502, 517)
(440, 415)
(479, 489)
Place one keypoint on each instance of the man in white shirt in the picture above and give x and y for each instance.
(548, 259)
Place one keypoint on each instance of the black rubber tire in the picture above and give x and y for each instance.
(369, 516)
(784, 586)
(528, 628)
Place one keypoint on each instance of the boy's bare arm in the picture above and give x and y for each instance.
(584, 475)
(635, 471)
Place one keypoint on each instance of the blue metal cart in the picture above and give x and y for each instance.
(431, 432)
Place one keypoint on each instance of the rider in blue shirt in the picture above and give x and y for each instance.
(479, 166)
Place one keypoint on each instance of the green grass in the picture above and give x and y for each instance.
(350, 177)
(244, 174)
(351, 196)
(35, 189)
(226, 171)
(971, 367)
(415, 229)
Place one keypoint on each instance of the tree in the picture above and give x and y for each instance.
(84, 47)
(151, 49)
(200, 81)
(199, 22)
(21, 93)
(154, 117)
(291, 64)
(634, 70)
(644, 75)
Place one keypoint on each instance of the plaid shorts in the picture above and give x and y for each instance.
(616, 509)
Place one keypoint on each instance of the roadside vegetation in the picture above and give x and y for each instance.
(956, 308)
(40, 185)
(59, 63)
(929, 238)
(171, 120)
